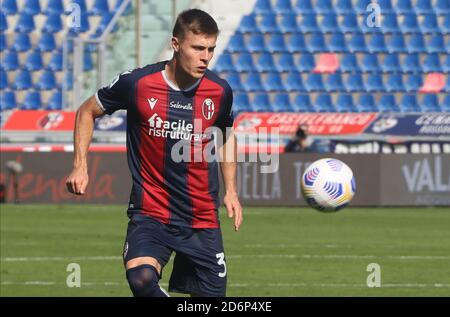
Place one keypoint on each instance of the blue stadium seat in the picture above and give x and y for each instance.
(285, 63)
(309, 24)
(305, 63)
(411, 64)
(234, 80)
(7, 100)
(409, 104)
(83, 6)
(9, 7)
(22, 80)
(416, 44)
(54, 6)
(431, 63)
(404, 7)
(100, 8)
(334, 83)
(261, 103)
(56, 61)
(391, 63)
(344, 103)
(236, 44)
(3, 43)
(354, 83)
(273, 82)
(410, 24)
(248, 24)
(263, 7)
(32, 7)
(374, 83)
(376, 44)
(53, 23)
(283, 7)
(34, 61)
(241, 103)
(357, 43)
(389, 24)
(314, 83)
(366, 103)
(47, 81)
(46, 43)
(423, 7)
(276, 44)
(430, 103)
(269, 24)
(349, 63)
(387, 103)
(394, 83)
(324, 6)
(106, 18)
(253, 82)
(317, 43)
(442, 7)
(445, 26)
(446, 65)
(296, 43)
(337, 43)
(302, 103)
(256, 43)
(414, 82)
(3, 22)
(288, 23)
(294, 82)
(25, 24)
(324, 103)
(22, 42)
(224, 63)
(350, 23)
(445, 106)
(88, 64)
(447, 86)
(55, 102)
(84, 26)
(282, 103)
(304, 7)
(69, 80)
(244, 63)
(396, 44)
(3, 79)
(436, 44)
(430, 24)
(329, 23)
(32, 101)
(9, 61)
(344, 7)
(370, 63)
(265, 63)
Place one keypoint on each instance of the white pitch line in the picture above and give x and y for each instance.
(243, 285)
(238, 256)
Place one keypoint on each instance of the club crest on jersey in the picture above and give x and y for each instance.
(208, 108)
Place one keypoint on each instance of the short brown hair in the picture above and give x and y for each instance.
(196, 21)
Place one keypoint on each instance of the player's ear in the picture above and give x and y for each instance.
(175, 44)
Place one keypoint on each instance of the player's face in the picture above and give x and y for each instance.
(195, 51)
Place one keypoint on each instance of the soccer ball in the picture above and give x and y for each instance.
(328, 185)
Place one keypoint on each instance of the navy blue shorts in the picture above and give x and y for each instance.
(199, 266)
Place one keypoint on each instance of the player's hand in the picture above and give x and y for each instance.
(234, 208)
(77, 181)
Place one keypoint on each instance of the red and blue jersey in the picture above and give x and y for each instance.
(165, 126)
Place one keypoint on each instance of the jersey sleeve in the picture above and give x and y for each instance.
(226, 117)
(117, 95)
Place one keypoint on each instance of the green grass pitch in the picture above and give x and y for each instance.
(277, 252)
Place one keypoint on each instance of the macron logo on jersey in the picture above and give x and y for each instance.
(152, 102)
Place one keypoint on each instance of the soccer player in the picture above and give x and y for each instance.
(172, 106)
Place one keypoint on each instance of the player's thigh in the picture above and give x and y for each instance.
(144, 244)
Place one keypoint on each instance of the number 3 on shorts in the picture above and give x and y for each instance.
(221, 261)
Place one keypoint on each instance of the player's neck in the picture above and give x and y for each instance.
(178, 77)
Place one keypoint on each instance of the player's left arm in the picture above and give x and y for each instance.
(228, 155)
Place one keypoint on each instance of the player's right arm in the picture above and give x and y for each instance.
(84, 127)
